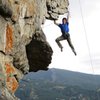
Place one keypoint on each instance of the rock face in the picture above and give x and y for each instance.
(23, 45)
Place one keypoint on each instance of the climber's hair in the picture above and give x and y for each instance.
(64, 19)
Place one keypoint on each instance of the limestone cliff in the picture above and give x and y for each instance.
(23, 45)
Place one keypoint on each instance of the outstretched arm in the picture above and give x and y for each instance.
(68, 16)
(56, 22)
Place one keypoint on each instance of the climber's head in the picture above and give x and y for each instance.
(64, 20)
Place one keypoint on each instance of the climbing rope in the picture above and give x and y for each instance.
(87, 44)
(86, 37)
(47, 25)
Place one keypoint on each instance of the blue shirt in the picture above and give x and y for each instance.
(64, 28)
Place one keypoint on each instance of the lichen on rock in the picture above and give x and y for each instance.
(23, 44)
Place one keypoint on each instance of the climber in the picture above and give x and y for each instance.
(65, 33)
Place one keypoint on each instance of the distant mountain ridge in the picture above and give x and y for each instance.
(67, 77)
(57, 84)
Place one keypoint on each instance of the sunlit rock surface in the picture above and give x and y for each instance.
(23, 45)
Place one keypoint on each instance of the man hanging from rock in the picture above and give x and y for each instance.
(65, 33)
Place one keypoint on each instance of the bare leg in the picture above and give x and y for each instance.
(58, 41)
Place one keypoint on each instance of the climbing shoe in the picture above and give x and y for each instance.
(61, 49)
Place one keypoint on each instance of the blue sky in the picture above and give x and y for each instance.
(85, 43)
